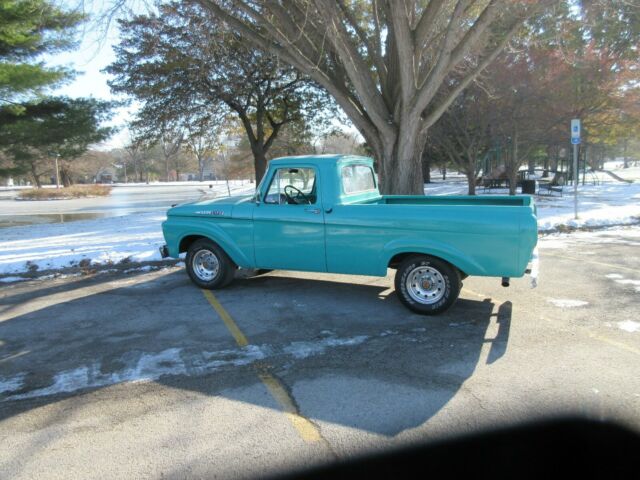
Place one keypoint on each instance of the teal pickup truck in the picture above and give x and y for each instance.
(324, 213)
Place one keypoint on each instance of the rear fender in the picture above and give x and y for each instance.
(458, 259)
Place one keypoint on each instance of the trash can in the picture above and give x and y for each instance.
(529, 186)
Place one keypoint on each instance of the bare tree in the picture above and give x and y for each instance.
(202, 138)
(170, 142)
(383, 61)
(462, 134)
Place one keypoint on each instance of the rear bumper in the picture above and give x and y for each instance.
(533, 269)
(164, 251)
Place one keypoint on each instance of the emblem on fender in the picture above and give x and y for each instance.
(209, 212)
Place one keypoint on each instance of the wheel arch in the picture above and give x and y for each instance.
(185, 232)
(188, 240)
(394, 254)
(397, 259)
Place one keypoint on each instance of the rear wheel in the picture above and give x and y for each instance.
(427, 285)
(208, 265)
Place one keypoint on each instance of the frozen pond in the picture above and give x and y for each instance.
(122, 201)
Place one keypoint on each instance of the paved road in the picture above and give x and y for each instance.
(145, 376)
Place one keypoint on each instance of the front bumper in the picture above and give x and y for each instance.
(164, 251)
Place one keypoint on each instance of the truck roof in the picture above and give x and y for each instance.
(314, 159)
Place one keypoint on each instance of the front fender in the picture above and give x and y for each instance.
(444, 251)
(175, 229)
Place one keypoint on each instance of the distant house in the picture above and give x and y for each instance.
(209, 172)
(106, 175)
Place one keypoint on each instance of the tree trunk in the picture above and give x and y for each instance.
(545, 165)
(471, 181)
(401, 160)
(426, 168)
(259, 163)
(626, 159)
(201, 168)
(137, 176)
(35, 175)
(65, 176)
(512, 172)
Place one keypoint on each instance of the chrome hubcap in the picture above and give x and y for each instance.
(205, 265)
(425, 285)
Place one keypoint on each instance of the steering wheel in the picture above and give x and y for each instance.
(298, 195)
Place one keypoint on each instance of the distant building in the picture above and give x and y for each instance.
(106, 175)
(209, 172)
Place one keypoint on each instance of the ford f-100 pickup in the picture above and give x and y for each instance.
(324, 213)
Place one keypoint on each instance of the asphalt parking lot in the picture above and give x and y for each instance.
(145, 376)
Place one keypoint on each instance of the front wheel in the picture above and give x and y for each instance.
(209, 266)
(427, 285)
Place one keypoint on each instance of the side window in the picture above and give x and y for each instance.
(357, 178)
(292, 186)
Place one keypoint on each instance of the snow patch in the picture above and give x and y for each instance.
(173, 361)
(146, 268)
(629, 326)
(11, 279)
(567, 302)
(614, 276)
(301, 350)
(148, 367)
(609, 203)
(12, 384)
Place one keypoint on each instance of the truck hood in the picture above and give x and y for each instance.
(216, 208)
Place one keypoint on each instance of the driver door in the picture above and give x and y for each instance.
(288, 224)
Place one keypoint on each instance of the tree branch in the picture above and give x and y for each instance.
(431, 118)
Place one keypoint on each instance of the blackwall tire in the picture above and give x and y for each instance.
(427, 285)
(209, 266)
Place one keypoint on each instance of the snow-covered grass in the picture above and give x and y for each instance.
(136, 237)
(609, 202)
(129, 238)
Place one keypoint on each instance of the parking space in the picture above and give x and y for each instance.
(144, 375)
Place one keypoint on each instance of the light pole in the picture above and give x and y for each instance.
(55, 156)
(575, 140)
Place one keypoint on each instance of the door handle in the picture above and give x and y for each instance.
(312, 210)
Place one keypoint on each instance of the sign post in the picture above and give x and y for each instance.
(575, 140)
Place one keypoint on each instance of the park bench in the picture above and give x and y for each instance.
(549, 188)
(489, 183)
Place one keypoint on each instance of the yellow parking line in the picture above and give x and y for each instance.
(306, 429)
(615, 343)
(226, 318)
